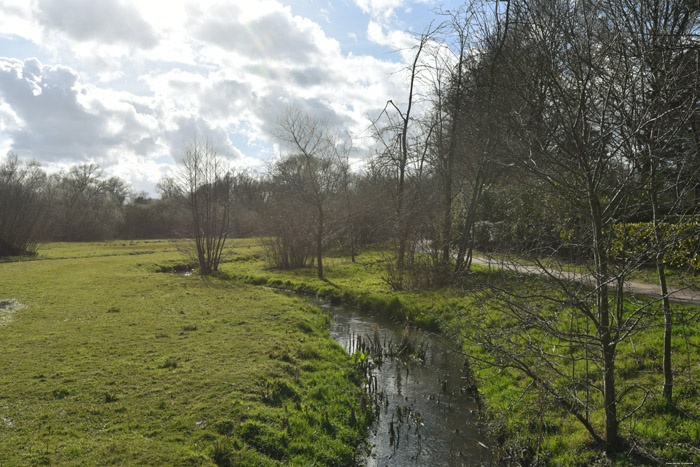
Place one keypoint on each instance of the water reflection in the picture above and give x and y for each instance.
(428, 415)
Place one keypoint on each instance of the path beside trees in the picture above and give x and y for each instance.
(681, 295)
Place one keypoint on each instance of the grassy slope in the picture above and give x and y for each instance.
(671, 434)
(109, 362)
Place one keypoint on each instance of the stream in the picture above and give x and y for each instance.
(427, 413)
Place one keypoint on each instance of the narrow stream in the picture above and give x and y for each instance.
(428, 416)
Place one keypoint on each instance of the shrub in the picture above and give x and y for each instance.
(21, 206)
(680, 243)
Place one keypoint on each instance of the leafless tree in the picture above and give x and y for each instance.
(569, 86)
(85, 205)
(312, 171)
(205, 183)
(660, 39)
(346, 179)
(404, 142)
(286, 241)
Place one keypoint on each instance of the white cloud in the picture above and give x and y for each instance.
(9, 120)
(396, 40)
(104, 21)
(382, 9)
(142, 172)
(140, 80)
(64, 119)
(16, 20)
(274, 36)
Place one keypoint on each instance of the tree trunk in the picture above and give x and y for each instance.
(447, 214)
(604, 331)
(352, 243)
(661, 270)
(449, 166)
(465, 244)
(668, 327)
(319, 242)
(400, 222)
(404, 162)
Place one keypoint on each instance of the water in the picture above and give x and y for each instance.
(428, 415)
(7, 308)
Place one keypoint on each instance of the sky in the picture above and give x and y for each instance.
(128, 84)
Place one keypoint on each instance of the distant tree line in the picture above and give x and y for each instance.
(83, 204)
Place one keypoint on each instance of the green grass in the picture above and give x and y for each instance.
(110, 362)
(534, 427)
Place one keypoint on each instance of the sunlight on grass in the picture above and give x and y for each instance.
(109, 362)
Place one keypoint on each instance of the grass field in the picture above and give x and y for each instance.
(105, 361)
(538, 429)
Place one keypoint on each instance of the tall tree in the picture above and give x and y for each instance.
(569, 87)
(660, 38)
(85, 204)
(404, 142)
(312, 171)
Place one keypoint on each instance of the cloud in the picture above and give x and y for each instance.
(142, 172)
(383, 9)
(397, 40)
(104, 21)
(190, 128)
(276, 35)
(224, 98)
(16, 20)
(140, 80)
(65, 120)
(45, 98)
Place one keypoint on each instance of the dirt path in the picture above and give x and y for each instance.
(684, 296)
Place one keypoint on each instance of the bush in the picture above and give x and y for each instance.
(21, 206)
(680, 243)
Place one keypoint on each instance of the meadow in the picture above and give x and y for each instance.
(107, 361)
(114, 358)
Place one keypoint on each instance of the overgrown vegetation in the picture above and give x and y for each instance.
(529, 423)
(680, 240)
(20, 207)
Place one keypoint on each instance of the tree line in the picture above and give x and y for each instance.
(551, 124)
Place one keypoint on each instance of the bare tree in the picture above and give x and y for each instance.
(346, 188)
(312, 172)
(450, 75)
(569, 86)
(404, 142)
(85, 205)
(289, 245)
(660, 38)
(205, 183)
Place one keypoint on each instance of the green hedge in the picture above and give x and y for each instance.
(680, 241)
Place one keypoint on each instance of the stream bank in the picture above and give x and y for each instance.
(422, 389)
